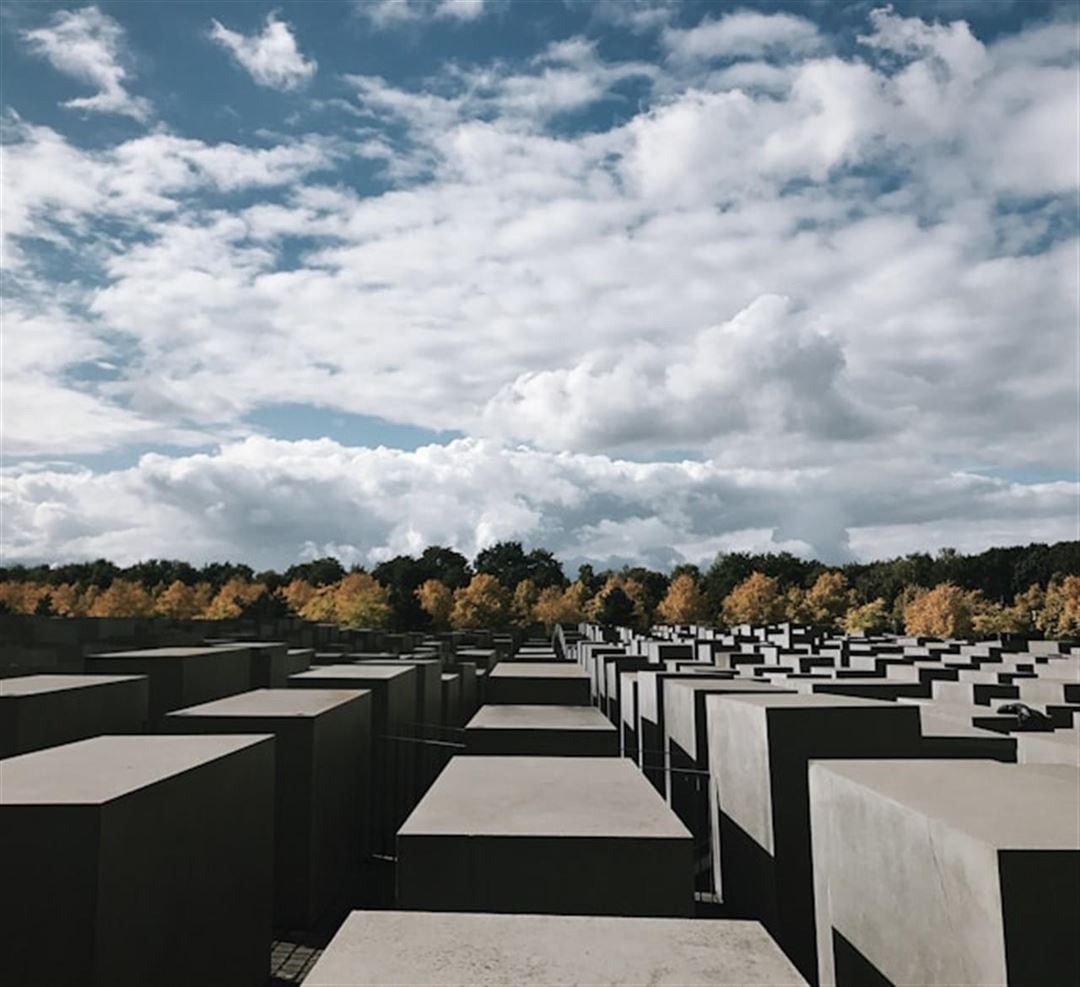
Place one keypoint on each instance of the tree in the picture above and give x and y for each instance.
(437, 599)
(177, 601)
(508, 562)
(524, 603)
(361, 601)
(483, 603)
(756, 600)
(123, 598)
(684, 603)
(319, 572)
(870, 618)
(944, 611)
(829, 599)
(1060, 615)
(568, 606)
(632, 589)
(617, 609)
(233, 598)
(404, 575)
(67, 600)
(297, 594)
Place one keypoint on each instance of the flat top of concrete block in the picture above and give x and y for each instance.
(275, 702)
(36, 685)
(361, 671)
(172, 652)
(90, 772)
(698, 684)
(803, 700)
(1009, 806)
(525, 717)
(543, 796)
(548, 951)
(539, 670)
(450, 676)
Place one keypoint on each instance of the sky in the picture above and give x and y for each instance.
(634, 282)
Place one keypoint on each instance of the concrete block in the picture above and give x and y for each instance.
(554, 835)
(533, 683)
(946, 872)
(180, 677)
(549, 731)
(38, 711)
(322, 786)
(759, 750)
(138, 860)
(548, 951)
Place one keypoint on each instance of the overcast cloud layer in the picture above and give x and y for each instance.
(685, 284)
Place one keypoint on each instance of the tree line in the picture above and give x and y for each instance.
(1023, 589)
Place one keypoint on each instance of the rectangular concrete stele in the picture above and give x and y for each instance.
(557, 683)
(321, 786)
(580, 731)
(548, 951)
(138, 860)
(946, 872)
(181, 677)
(759, 749)
(38, 711)
(582, 835)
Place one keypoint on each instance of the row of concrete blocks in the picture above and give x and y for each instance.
(300, 786)
(735, 767)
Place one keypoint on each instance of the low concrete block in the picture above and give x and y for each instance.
(322, 786)
(38, 711)
(544, 835)
(946, 872)
(548, 951)
(536, 683)
(547, 731)
(138, 860)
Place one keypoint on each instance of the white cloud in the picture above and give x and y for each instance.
(89, 46)
(271, 58)
(271, 502)
(744, 34)
(460, 10)
(385, 14)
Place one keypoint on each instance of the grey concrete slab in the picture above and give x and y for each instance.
(322, 786)
(557, 835)
(759, 750)
(38, 711)
(946, 872)
(550, 731)
(555, 683)
(180, 677)
(138, 860)
(451, 699)
(450, 949)
(1059, 747)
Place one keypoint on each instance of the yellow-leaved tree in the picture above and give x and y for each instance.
(483, 603)
(437, 601)
(523, 606)
(229, 601)
(123, 598)
(870, 618)
(756, 600)
(360, 600)
(946, 610)
(829, 599)
(562, 606)
(684, 603)
(177, 601)
(1060, 614)
(297, 594)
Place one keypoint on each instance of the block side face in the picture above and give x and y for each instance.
(928, 911)
(187, 876)
(1040, 893)
(48, 923)
(739, 765)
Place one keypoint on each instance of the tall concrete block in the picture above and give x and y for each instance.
(322, 786)
(38, 711)
(946, 872)
(546, 731)
(535, 683)
(138, 860)
(549, 835)
(759, 751)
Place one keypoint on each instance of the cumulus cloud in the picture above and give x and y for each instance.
(394, 13)
(272, 57)
(744, 34)
(89, 46)
(271, 502)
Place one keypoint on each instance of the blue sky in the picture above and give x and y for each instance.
(633, 281)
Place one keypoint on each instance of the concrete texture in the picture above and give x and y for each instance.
(759, 750)
(544, 834)
(181, 677)
(38, 711)
(946, 872)
(552, 731)
(548, 683)
(447, 950)
(322, 786)
(138, 860)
